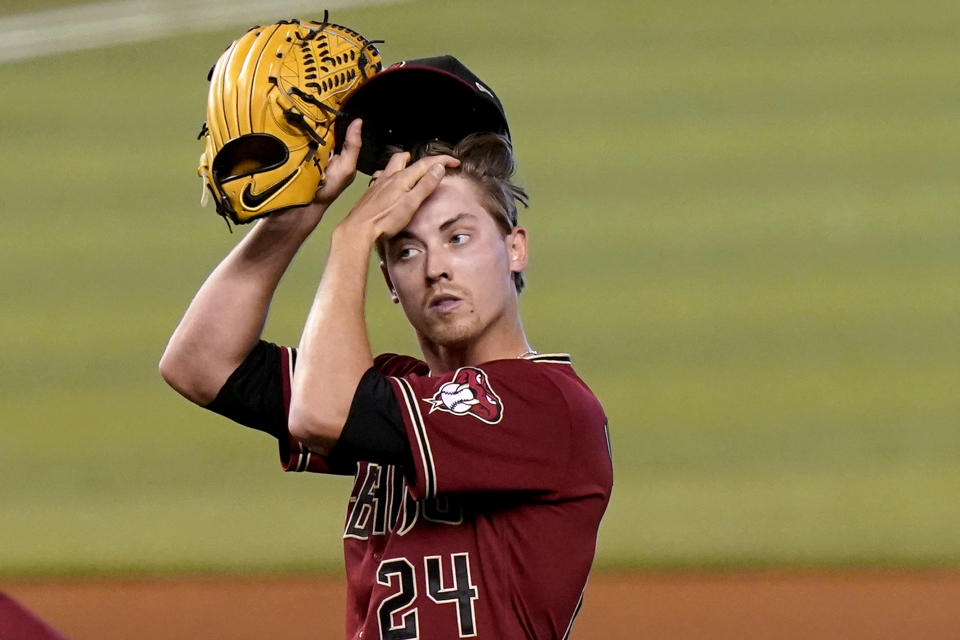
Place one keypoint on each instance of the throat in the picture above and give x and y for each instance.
(444, 358)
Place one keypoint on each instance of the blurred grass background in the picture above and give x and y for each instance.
(744, 230)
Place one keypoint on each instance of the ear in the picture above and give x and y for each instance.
(386, 278)
(517, 249)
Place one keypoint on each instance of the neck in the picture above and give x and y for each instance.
(444, 358)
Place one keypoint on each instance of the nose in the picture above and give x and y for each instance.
(437, 265)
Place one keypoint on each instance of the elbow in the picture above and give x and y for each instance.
(318, 431)
(167, 368)
(177, 373)
(169, 371)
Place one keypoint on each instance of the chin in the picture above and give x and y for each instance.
(451, 335)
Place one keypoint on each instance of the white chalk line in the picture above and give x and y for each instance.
(101, 24)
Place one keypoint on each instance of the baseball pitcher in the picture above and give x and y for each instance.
(482, 468)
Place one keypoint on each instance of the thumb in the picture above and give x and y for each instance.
(351, 147)
(342, 168)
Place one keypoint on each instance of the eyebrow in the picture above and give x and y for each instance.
(401, 235)
(454, 220)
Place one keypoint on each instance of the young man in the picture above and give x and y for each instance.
(482, 470)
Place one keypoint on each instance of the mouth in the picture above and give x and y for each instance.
(443, 303)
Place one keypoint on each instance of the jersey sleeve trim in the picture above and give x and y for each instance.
(426, 462)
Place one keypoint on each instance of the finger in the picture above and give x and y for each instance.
(342, 168)
(396, 163)
(415, 172)
(373, 178)
(427, 183)
(351, 143)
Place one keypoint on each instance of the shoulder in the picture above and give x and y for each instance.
(556, 391)
(552, 369)
(556, 371)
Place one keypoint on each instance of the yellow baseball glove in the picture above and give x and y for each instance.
(274, 96)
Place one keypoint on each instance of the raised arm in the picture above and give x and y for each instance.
(226, 317)
(334, 349)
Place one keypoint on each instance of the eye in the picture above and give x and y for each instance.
(405, 253)
(459, 238)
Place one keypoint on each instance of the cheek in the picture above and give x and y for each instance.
(400, 278)
(407, 296)
(486, 268)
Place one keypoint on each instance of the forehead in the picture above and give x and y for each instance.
(456, 195)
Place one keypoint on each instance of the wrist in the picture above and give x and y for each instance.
(276, 238)
(296, 219)
(350, 234)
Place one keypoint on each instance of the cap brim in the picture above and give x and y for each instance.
(408, 105)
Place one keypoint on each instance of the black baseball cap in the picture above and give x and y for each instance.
(417, 101)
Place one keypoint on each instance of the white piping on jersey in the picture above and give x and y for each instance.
(426, 455)
(556, 358)
(289, 351)
(576, 612)
(302, 460)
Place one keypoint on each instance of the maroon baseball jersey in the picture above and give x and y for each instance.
(492, 533)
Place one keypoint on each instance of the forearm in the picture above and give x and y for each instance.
(226, 317)
(334, 349)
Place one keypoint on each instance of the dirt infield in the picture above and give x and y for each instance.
(848, 605)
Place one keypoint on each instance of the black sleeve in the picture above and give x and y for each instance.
(374, 430)
(253, 394)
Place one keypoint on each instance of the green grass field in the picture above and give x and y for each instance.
(745, 230)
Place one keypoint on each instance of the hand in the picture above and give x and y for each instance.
(396, 193)
(339, 174)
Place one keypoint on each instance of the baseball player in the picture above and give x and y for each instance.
(482, 468)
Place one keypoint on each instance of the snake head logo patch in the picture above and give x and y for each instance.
(469, 393)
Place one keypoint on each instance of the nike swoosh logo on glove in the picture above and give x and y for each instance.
(254, 201)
